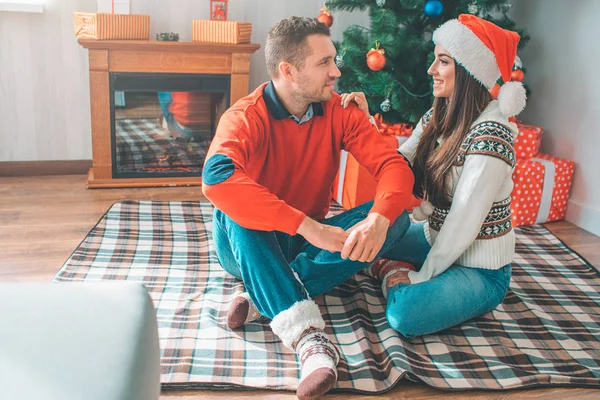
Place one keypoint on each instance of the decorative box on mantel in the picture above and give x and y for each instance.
(155, 105)
(221, 31)
(104, 26)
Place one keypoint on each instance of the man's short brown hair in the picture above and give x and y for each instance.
(286, 41)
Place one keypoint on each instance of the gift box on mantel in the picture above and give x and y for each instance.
(232, 32)
(541, 191)
(106, 26)
(353, 184)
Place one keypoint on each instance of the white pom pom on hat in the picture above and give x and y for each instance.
(487, 52)
(512, 98)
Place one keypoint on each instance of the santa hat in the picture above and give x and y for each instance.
(487, 52)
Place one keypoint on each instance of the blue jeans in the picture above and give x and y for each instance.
(456, 295)
(279, 270)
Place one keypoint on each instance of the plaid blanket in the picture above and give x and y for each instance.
(545, 333)
(142, 146)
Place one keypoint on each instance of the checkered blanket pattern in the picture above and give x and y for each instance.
(142, 145)
(545, 333)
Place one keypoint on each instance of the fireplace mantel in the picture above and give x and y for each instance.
(148, 56)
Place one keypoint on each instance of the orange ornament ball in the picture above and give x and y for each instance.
(376, 59)
(517, 75)
(325, 17)
(495, 91)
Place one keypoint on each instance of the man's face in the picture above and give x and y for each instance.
(315, 80)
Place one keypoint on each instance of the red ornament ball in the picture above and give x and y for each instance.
(517, 75)
(494, 91)
(376, 59)
(325, 17)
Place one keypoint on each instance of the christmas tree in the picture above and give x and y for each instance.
(399, 36)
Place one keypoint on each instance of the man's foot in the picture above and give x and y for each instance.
(319, 358)
(387, 271)
(241, 311)
(316, 384)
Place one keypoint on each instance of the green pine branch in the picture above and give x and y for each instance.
(348, 5)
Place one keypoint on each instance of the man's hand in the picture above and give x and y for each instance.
(360, 100)
(330, 238)
(366, 238)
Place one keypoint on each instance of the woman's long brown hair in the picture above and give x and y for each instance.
(450, 122)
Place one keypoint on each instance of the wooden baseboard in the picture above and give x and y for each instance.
(95, 183)
(36, 168)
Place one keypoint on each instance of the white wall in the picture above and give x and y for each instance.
(44, 92)
(562, 61)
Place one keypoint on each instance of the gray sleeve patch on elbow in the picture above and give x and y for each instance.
(217, 169)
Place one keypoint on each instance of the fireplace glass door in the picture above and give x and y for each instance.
(162, 124)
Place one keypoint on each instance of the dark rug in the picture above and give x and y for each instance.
(545, 333)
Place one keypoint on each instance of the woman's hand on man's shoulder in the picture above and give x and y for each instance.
(359, 99)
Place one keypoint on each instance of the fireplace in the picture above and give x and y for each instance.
(162, 124)
(155, 106)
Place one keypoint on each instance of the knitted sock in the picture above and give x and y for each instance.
(319, 358)
(241, 311)
(386, 270)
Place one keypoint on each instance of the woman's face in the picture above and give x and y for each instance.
(442, 71)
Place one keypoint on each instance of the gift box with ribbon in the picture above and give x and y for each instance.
(112, 26)
(112, 21)
(541, 191)
(528, 142)
(353, 184)
(400, 130)
(233, 32)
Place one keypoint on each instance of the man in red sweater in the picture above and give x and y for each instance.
(269, 172)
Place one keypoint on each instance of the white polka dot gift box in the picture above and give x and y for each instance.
(541, 191)
(527, 143)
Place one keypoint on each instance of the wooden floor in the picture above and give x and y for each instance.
(43, 219)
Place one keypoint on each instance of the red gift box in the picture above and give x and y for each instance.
(541, 191)
(353, 184)
(401, 130)
(527, 143)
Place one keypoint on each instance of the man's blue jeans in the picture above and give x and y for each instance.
(456, 295)
(279, 270)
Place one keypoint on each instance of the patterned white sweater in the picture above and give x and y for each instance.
(476, 231)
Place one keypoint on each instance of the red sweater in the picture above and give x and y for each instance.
(283, 171)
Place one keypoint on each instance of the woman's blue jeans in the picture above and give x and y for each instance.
(456, 295)
(279, 270)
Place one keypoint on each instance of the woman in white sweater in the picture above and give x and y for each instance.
(456, 264)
